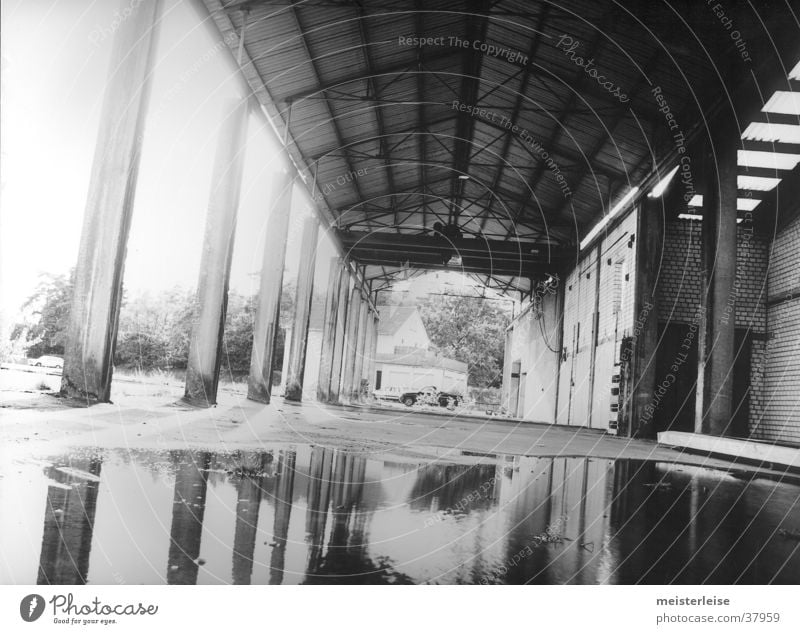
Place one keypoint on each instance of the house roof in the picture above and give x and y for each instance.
(393, 317)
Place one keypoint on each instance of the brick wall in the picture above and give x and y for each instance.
(779, 407)
(763, 270)
(680, 279)
(680, 283)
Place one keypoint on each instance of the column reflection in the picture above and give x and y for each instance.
(188, 508)
(69, 522)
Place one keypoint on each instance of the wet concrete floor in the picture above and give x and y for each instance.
(302, 513)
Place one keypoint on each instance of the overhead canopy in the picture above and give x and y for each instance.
(513, 124)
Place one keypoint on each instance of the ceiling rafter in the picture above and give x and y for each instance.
(578, 83)
(401, 67)
(471, 66)
(373, 90)
(535, 41)
(315, 70)
(421, 127)
(641, 82)
(407, 160)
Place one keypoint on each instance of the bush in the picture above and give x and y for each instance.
(154, 329)
(142, 351)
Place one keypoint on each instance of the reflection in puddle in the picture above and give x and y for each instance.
(318, 515)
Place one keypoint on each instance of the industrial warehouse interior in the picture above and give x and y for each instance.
(341, 292)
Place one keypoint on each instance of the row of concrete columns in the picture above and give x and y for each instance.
(349, 340)
(94, 317)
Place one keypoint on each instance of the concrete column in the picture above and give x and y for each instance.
(716, 343)
(94, 316)
(338, 344)
(349, 367)
(358, 369)
(642, 378)
(265, 327)
(302, 310)
(287, 338)
(329, 331)
(205, 347)
(372, 356)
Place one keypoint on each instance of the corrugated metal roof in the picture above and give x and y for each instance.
(552, 146)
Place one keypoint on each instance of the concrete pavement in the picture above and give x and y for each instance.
(47, 423)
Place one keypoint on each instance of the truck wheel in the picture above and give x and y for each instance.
(408, 401)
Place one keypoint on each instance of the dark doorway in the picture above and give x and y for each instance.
(378, 379)
(741, 384)
(677, 346)
(676, 409)
(513, 389)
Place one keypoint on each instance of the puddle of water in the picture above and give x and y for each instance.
(310, 514)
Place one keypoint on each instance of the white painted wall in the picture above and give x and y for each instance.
(415, 377)
(555, 346)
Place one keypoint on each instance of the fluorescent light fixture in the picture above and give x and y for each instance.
(690, 217)
(464, 177)
(772, 132)
(623, 201)
(795, 72)
(747, 204)
(784, 102)
(742, 204)
(772, 160)
(609, 217)
(758, 183)
(662, 184)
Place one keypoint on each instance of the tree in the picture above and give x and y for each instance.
(238, 340)
(469, 329)
(141, 350)
(49, 307)
(154, 328)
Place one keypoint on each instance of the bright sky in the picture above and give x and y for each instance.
(55, 56)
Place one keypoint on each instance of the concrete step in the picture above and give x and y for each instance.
(750, 451)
